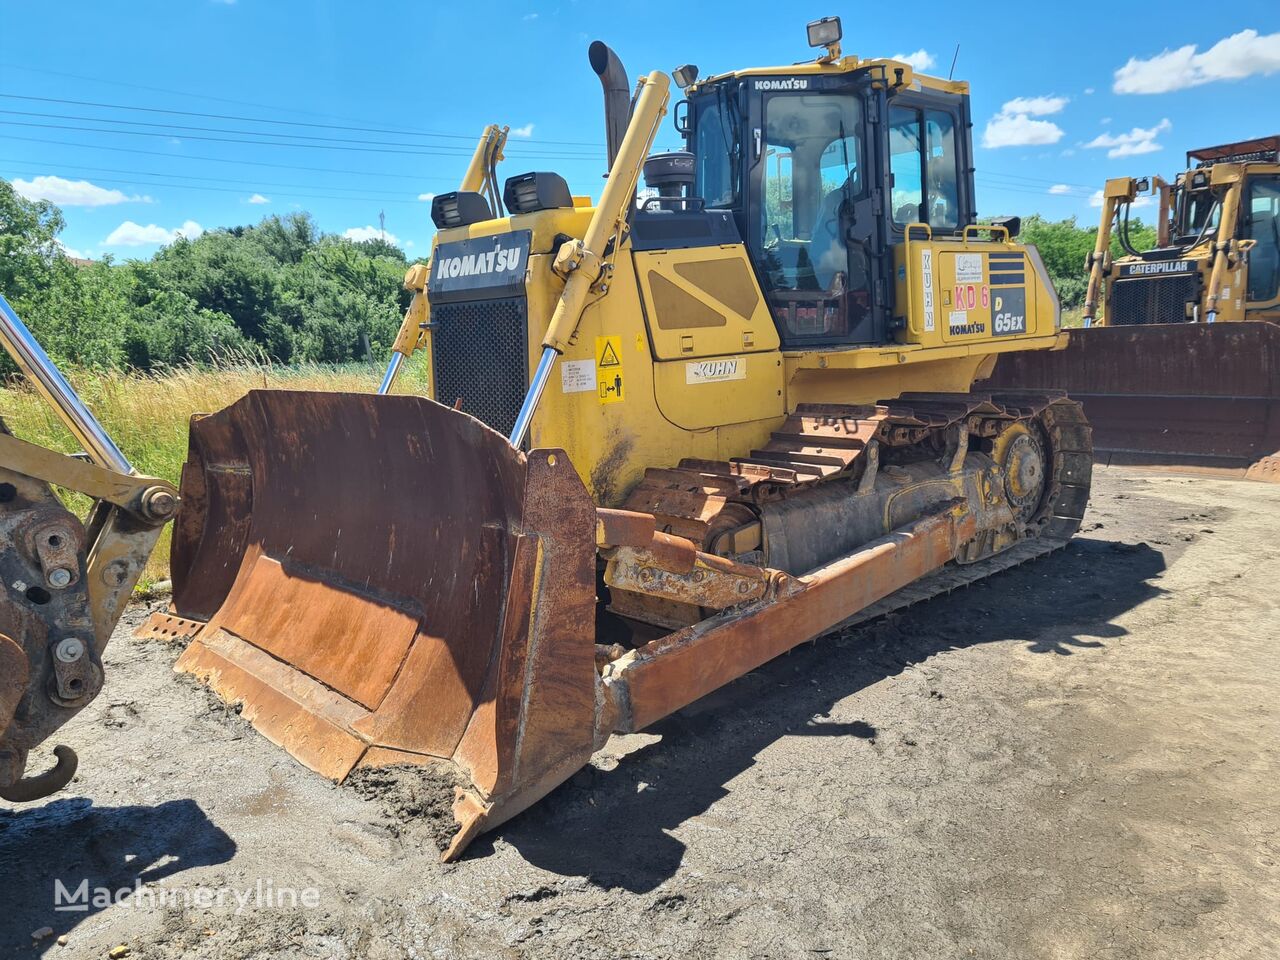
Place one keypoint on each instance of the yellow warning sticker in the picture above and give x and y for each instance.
(609, 382)
(607, 351)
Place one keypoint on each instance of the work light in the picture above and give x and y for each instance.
(825, 32)
(684, 75)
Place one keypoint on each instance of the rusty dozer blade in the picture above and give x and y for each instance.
(1195, 397)
(388, 581)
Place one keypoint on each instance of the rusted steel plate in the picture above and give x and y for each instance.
(286, 706)
(296, 616)
(13, 681)
(168, 627)
(404, 580)
(673, 671)
(1201, 396)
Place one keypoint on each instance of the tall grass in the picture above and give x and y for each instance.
(147, 414)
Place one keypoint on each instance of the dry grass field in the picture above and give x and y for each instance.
(148, 414)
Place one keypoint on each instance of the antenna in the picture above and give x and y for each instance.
(952, 72)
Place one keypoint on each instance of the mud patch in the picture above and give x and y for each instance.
(417, 799)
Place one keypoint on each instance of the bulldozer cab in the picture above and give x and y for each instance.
(824, 174)
(1195, 209)
(1262, 226)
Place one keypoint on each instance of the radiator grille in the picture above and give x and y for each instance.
(480, 354)
(1153, 299)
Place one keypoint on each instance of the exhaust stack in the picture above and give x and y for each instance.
(617, 95)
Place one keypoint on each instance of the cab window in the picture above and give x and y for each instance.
(716, 146)
(925, 168)
(1200, 213)
(1263, 227)
(812, 160)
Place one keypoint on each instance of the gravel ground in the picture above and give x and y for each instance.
(1073, 759)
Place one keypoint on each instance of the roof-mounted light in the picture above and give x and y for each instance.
(684, 75)
(826, 33)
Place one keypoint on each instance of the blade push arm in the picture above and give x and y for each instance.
(65, 581)
(581, 262)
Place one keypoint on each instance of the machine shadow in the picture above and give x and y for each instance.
(71, 841)
(612, 826)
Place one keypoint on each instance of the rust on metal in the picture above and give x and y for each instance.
(706, 581)
(1196, 397)
(433, 595)
(168, 627)
(672, 672)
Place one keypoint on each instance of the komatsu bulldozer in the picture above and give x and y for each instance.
(669, 437)
(1182, 366)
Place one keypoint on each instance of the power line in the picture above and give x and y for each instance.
(453, 151)
(1036, 191)
(308, 196)
(267, 143)
(1016, 176)
(291, 123)
(185, 95)
(178, 176)
(236, 161)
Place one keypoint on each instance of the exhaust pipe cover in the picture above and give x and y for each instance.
(617, 95)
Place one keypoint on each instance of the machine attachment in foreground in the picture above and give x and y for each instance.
(1182, 367)
(66, 581)
(668, 439)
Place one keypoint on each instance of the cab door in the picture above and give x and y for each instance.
(1262, 226)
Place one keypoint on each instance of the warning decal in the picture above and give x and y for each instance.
(609, 381)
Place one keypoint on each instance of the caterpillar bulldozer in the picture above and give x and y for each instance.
(668, 438)
(1182, 366)
(66, 580)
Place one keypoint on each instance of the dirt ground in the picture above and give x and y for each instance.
(1074, 759)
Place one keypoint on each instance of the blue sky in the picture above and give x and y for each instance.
(232, 89)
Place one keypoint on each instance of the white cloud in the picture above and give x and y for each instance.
(1059, 188)
(1240, 55)
(426, 197)
(1140, 201)
(530, 16)
(1034, 106)
(1013, 126)
(1019, 131)
(72, 193)
(1137, 141)
(1089, 91)
(921, 60)
(525, 131)
(359, 234)
(130, 234)
(72, 251)
(408, 244)
(259, 198)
